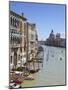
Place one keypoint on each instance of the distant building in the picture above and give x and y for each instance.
(52, 36)
(57, 35)
(41, 42)
(55, 40)
(63, 42)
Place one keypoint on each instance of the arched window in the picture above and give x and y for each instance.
(11, 60)
(11, 21)
(15, 23)
(19, 57)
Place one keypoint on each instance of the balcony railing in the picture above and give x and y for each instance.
(15, 45)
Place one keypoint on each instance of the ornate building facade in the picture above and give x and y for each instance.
(16, 38)
(23, 39)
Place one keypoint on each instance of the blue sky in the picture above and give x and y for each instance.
(46, 17)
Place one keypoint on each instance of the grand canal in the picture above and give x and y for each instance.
(53, 70)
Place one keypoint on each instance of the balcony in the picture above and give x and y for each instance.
(15, 45)
(32, 41)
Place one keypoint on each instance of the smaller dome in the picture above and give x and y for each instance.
(58, 35)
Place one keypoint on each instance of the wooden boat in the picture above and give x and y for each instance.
(30, 77)
(17, 78)
(34, 71)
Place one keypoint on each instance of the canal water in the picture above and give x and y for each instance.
(53, 70)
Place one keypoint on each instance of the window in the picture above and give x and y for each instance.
(11, 60)
(11, 21)
(32, 36)
(15, 23)
(19, 57)
(21, 49)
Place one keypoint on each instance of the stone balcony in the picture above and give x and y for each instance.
(15, 45)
